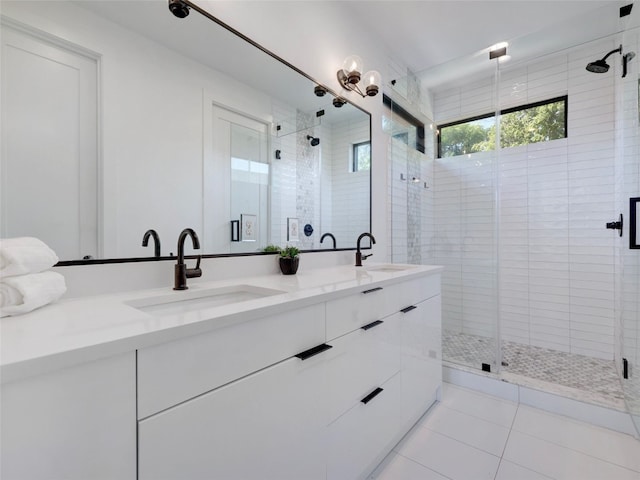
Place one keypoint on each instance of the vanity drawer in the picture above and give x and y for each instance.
(361, 361)
(363, 436)
(346, 314)
(173, 372)
(419, 289)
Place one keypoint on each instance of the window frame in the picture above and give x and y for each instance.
(562, 98)
(409, 118)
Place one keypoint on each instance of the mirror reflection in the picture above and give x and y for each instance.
(117, 121)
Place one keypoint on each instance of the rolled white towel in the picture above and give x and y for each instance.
(23, 255)
(24, 293)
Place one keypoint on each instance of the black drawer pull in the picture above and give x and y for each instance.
(313, 351)
(371, 325)
(372, 395)
(408, 309)
(372, 290)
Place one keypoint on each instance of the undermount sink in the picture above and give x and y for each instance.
(192, 300)
(390, 267)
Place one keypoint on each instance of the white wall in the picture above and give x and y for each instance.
(556, 258)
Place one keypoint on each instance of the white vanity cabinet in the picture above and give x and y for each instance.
(383, 376)
(75, 423)
(317, 384)
(268, 425)
(363, 375)
(421, 358)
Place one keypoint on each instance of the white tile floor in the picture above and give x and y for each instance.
(473, 436)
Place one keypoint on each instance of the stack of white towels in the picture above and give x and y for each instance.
(24, 282)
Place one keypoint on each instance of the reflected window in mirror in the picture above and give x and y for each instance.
(361, 156)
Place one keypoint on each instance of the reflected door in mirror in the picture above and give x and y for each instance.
(49, 138)
(237, 181)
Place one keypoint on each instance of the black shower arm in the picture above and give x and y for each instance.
(617, 50)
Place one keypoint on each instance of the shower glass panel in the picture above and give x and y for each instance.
(465, 240)
(443, 212)
(627, 259)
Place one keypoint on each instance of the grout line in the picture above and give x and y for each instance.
(425, 466)
(461, 442)
(578, 451)
(513, 421)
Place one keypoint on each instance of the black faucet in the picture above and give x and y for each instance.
(181, 270)
(359, 256)
(332, 238)
(156, 241)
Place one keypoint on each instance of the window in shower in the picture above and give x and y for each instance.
(531, 123)
(536, 122)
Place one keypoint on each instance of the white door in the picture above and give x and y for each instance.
(236, 184)
(48, 170)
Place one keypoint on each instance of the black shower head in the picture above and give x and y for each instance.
(601, 66)
(313, 140)
(179, 8)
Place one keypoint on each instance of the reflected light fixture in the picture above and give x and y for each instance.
(179, 8)
(338, 102)
(350, 77)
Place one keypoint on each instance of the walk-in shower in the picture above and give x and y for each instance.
(536, 290)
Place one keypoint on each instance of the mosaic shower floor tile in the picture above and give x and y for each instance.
(575, 376)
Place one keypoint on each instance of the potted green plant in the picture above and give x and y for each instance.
(289, 260)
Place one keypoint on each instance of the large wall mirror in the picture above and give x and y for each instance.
(118, 117)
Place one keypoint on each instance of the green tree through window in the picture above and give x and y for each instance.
(465, 138)
(539, 122)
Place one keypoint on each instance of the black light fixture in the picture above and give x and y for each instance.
(350, 75)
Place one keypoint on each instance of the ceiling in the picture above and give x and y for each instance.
(426, 36)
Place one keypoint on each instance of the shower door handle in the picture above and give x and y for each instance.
(616, 225)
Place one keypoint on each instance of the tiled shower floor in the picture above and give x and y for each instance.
(579, 377)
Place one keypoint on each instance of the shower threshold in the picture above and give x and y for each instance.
(578, 377)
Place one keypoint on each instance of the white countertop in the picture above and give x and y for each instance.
(80, 330)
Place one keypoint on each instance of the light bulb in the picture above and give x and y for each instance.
(352, 68)
(372, 81)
